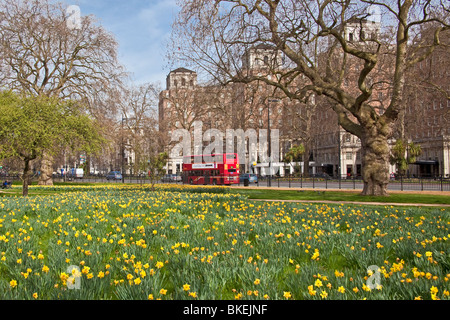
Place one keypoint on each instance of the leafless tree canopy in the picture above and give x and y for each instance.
(312, 36)
(139, 124)
(42, 55)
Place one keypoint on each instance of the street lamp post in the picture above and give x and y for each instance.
(270, 140)
(339, 155)
(123, 154)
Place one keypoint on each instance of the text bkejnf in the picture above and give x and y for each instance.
(244, 309)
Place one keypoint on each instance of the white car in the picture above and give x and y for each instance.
(76, 173)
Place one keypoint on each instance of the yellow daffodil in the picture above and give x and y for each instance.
(13, 284)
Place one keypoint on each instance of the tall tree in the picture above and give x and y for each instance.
(139, 123)
(44, 53)
(215, 35)
(31, 126)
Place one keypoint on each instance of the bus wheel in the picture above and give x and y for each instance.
(191, 181)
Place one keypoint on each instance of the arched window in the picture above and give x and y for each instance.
(266, 60)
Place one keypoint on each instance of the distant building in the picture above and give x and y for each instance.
(236, 106)
(427, 114)
(331, 149)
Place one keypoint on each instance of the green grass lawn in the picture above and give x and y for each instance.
(319, 195)
(126, 242)
(268, 194)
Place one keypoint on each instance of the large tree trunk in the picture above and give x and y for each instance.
(46, 179)
(26, 178)
(375, 161)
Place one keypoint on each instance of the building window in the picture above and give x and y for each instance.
(266, 60)
(349, 156)
(350, 37)
(347, 138)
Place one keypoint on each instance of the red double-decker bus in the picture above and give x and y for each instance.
(216, 169)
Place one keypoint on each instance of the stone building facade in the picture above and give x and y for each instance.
(330, 149)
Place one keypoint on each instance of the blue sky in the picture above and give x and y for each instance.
(142, 28)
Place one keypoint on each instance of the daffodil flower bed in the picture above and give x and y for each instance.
(183, 242)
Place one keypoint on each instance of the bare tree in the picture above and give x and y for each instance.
(139, 123)
(44, 55)
(215, 35)
(298, 126)
(180, 108)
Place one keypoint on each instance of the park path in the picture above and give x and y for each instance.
(438, 193)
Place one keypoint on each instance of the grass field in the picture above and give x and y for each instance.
(197, 243)
(326, 195)
(265, 193)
